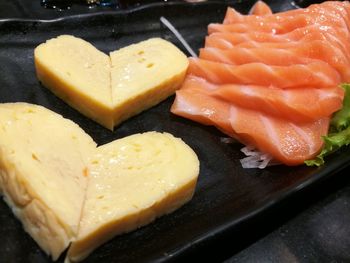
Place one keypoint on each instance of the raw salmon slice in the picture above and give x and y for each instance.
(282, 24)
(240, 56)
(281, 27)
(316, 74)
(226, 40)
(283, 54)
(334, 13)
(330, 44)
(292, 104)
(286, 141)
(310, 40)
(196, 104)
(258, 9)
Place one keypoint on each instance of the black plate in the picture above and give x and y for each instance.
(226, 195)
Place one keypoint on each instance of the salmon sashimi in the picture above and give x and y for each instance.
(334, 7)
(292, 104)
(320, 42)
(258, 9)
(334, 13)
(226, 40)
(239, 56)
(281, 27)
(283, 54)
(287, 142)
(230, 40)
(262, 9)
(197, 104)
(233, 16)
(316, 74)
(336, 48)
(272, 81)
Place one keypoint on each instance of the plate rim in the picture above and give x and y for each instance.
(127, 11)
(319, 175)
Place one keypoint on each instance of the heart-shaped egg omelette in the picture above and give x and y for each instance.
(110, 89)
(67, 191)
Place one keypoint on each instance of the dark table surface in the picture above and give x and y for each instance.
(312, 227)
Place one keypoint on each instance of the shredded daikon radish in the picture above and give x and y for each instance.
(255, 158)
(178, 35)
(227, 140)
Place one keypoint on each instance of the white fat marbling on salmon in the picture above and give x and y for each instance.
(233, 116)
(225, 43)
(203, 83)
(309, 140)
(270, 131)
(336, 40)
(218, 55)
(325, 78)
(287, 97)
(207, 72)
(326, 95)
(181, 104)
(246, 90)
(315, 74)
(236, 27)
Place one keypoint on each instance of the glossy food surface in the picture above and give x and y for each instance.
(226, 197)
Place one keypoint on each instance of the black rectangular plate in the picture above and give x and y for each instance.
(226, 194)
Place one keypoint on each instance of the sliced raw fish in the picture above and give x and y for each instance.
(316, 74)
(282, 54)
(259, 9)
(292, 104)
(287, 142)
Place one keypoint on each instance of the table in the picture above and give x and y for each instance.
(314, 227)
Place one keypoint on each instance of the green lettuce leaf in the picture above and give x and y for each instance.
(341, 118)
(339, 135)
(332, 142)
